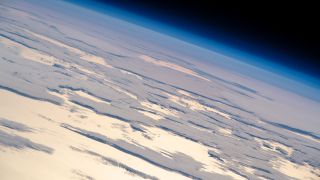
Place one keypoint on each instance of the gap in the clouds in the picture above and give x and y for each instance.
(206, 43)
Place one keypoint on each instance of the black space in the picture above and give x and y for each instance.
(286, 33)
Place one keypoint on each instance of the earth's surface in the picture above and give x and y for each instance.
(87, 96)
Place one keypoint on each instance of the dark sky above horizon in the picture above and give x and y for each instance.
(287, 34)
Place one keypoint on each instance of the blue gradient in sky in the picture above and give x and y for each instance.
(297, 80)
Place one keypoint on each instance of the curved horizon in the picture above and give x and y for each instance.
(301, 78)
